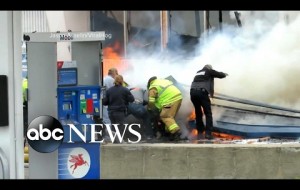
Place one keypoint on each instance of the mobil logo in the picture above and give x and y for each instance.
(79, 162)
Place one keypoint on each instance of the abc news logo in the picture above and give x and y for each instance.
(45, 133)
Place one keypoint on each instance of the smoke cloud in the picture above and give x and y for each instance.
(261, 57)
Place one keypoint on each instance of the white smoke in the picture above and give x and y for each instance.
(261, 57)
(261, 63)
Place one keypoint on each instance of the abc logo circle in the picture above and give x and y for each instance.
(45, 134)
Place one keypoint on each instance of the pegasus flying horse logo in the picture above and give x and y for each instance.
(78, 161)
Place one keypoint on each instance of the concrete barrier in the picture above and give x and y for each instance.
(200, 161)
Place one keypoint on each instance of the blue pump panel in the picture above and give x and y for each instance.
(77, 105)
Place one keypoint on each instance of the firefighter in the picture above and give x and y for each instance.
(25, 87)
(203, 86)
(165, 98)
(25, 107)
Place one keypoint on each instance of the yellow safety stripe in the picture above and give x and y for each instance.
(173, 127)
(151, 99)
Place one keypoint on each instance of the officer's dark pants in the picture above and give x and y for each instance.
(200, 98)
(117, 117)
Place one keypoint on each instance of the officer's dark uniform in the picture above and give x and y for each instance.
(202, 86)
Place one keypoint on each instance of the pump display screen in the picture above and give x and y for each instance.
(67, 77)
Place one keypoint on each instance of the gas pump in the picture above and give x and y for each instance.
(78, 105)
(72, 96)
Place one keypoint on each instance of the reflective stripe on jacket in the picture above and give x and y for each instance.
(25, 86)
(167, 93)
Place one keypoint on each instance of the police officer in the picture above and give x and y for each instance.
(117, 99)
(203, 86)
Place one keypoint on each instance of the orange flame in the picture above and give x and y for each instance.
(192, 116)
(194, 132)
(226, 136)
(112, 59)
